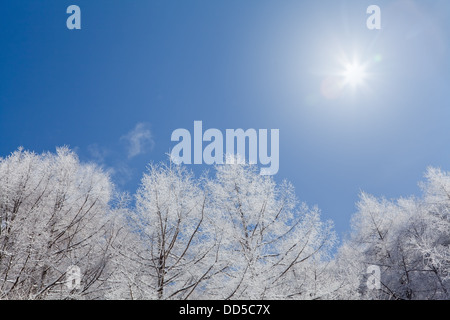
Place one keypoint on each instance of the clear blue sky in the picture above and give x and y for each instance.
(137, 70)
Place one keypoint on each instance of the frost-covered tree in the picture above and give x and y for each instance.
(270, 246)
(409, 239)
(54, 213)
(174, 241)
(233, 235)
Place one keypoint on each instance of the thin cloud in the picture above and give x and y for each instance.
(98, 153)
(139, 140)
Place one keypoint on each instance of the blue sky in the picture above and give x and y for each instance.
(137, 70)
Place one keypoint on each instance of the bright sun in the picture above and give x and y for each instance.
(354, 74)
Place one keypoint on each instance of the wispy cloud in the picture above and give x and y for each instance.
(98, 153)
(123, 173)
(139, 140)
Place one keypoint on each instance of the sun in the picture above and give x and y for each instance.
(354, 74)
(350, 76)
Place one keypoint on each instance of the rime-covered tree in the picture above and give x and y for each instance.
(231, 235)
(269, 244)
(175, 241)
(408, 238)
(54, 213)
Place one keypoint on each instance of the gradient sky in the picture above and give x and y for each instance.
(137, 70)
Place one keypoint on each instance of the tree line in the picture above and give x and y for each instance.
(231, 235)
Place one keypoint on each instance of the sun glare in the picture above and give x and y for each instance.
(350, 76)
(354, 74)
